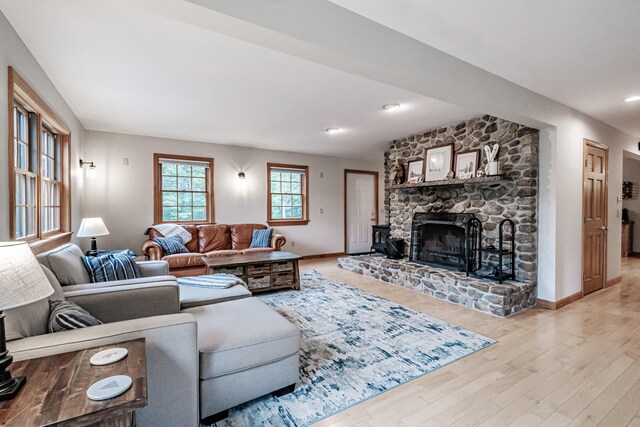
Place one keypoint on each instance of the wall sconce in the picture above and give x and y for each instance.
(90, 166)
(241, 175)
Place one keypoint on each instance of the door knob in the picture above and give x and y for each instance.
(603, 228)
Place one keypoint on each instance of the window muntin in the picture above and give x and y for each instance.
(51, 185)
(25, 189)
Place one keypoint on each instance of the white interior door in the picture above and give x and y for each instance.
(361, 211)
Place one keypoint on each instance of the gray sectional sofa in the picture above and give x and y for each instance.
(205, 354)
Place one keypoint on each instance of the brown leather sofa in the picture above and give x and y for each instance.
(208, 240)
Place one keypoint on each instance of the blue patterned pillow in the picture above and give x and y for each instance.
(109, 267)
(67, 315)
(171, 245)
(261, 238)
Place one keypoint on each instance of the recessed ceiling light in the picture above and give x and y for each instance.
(390, 107)
(632, 99)
(332, 131)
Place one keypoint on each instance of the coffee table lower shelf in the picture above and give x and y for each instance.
(262, 272)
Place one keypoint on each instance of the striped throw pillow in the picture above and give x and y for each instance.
(66, 315)
(109, 267)
(261, 238)
(171, 245)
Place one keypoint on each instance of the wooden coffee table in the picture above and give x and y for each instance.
(261, 271)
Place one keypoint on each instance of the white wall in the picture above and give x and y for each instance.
(567, 164)
(631, 172)
(123, 195)
(14, 53)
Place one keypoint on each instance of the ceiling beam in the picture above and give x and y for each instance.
(327, 34)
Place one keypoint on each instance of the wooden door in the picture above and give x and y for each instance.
(594, 199)
(361, 205)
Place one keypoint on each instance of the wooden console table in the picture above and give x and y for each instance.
(262, 271)
(55, 393)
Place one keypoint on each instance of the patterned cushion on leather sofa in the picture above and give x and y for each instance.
(241, 234)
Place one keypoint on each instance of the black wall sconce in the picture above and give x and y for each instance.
(87, 165)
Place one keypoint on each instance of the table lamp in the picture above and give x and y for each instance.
(92, 227)
(22, 282)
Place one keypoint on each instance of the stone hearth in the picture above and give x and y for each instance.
(483, 295)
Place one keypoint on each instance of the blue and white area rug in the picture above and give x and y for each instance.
(354, 346)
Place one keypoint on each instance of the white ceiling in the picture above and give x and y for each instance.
(582, 53)
(123, 68)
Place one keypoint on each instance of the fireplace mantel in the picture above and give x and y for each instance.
(485, 180)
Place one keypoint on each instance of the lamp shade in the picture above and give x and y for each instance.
(22, 280)
(92, 227)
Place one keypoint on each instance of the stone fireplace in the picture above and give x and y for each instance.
(515, 196)
(443, 224)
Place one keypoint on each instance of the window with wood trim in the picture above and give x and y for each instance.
(287, 194)
(39, 179)
(183, 189)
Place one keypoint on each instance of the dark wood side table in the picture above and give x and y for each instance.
(55, 393)
(261, 271)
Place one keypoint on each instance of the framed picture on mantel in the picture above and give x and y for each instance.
(415, 169)
(439, 162)
(467, 164)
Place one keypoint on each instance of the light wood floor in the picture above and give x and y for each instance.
(578, 366)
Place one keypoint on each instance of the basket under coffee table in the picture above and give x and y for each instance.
(262, 271)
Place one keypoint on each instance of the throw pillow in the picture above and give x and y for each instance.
(171, 245)
(65, 263)
(261, 238)
(66, 315)
(113, 266)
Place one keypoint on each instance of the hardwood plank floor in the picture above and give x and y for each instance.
(577, 366)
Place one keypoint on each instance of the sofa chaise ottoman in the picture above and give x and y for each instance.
(243, 357)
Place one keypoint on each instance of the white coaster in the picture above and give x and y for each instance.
(110, 355)
(109, 387)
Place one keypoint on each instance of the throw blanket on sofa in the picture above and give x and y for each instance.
(168, 230)
(219, 280)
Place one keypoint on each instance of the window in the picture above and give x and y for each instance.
(287, 199)
(39, 153)
(184, 189)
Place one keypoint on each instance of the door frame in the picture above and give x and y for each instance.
(586, 143)
(346, 202)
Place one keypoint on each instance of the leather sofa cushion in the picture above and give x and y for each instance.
(192, 245)
(224, 252)
(191, 259)
(241, 234)
(213, 237)
(257, 250)
(245, 333)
